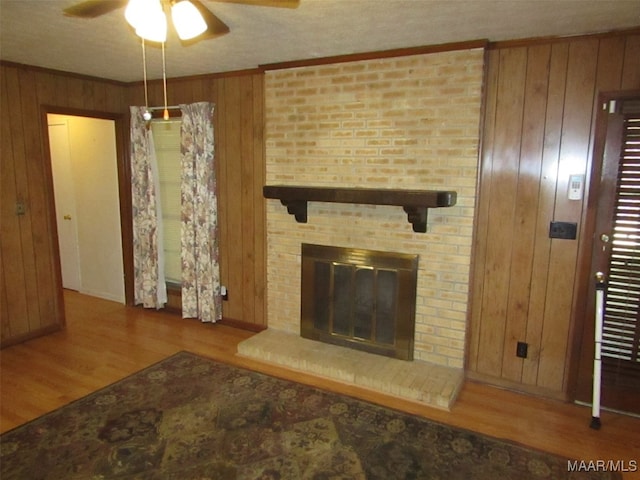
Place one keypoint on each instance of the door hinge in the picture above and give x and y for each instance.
(610, 106)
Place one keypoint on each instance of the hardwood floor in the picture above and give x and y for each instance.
(105, 341)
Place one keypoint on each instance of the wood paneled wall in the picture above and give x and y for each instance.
(538, 129)
(30, 292)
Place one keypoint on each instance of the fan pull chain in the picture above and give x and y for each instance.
(146, 114)
(164, 80)
(144, 74)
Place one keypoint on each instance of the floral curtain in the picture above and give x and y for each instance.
(200, 258)
(149, 285)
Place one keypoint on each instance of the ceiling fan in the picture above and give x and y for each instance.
(213, 26)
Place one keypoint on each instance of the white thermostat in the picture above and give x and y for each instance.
(576, 187)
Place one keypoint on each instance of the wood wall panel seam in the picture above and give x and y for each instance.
(476, 319)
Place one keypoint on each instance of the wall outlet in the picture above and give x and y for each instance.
(521, 349)
(224, 293)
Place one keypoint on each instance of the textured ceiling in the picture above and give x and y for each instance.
(35, 32)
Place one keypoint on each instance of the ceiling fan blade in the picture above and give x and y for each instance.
(93, 8)
(266, 3)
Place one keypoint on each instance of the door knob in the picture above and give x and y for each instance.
(67, 217)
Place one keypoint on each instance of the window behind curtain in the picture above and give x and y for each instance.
(166, 136)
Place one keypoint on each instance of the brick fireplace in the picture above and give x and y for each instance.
(395, 123)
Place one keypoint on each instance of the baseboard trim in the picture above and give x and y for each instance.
(252, 327)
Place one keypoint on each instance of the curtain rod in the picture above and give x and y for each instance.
(170, 107)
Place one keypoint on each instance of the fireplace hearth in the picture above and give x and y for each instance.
(362, 299)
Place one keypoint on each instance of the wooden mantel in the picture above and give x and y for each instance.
(415, 202)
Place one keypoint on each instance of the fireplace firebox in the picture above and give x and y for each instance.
(357, 298)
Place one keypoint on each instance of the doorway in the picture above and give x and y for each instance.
(87, 204)
(616, 253)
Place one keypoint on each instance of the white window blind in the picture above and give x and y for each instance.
(166, 136)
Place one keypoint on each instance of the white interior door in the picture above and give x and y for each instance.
(65, 198)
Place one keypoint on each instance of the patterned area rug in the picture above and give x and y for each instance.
(188, 417)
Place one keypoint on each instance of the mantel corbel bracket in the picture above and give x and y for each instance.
(417, 217)
(297, 208)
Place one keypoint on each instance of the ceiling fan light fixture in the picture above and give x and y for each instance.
(136, 10)
(153, 26)
(187, 19)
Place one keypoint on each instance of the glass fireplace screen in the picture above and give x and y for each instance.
(358, 298)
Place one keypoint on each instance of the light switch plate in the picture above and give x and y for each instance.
(565, 230)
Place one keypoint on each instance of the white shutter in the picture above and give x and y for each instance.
(621, 329)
